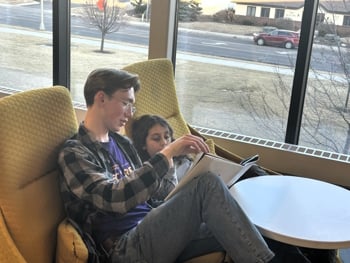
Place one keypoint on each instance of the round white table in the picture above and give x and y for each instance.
(296, 210)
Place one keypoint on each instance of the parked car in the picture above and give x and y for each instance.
(279, 37)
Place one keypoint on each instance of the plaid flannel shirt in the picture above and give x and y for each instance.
(88, 185)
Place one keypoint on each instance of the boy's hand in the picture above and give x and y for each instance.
(186, 144)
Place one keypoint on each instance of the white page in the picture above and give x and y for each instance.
(228, 171)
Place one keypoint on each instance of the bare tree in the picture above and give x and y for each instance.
(106, 15)
(326, 118)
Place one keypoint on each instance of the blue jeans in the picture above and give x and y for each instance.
(166, 231)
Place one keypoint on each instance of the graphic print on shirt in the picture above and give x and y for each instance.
(121, 166)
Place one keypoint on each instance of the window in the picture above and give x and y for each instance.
(279, 13)
(220, 84)
(265, 12)
(284, 33)
(222, 87)
(26, 45)
(224, 83)
(346, 21)
(320, 18)
(326, 108)
(251, 10)
(125, 42)
(27, 36)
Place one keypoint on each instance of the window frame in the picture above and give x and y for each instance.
(265, 12)
(346, 20)
(279, 13)
(251, 10)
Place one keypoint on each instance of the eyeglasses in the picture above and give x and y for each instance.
(127, 105)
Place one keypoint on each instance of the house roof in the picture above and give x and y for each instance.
(331, 6)
(277, 4)
(340, 7)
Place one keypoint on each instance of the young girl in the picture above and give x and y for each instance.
(150, 134)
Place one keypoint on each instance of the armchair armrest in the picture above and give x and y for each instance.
(70, 246)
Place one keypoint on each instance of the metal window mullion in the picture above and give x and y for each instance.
(301, 71)
(174, 26)
(61, 42)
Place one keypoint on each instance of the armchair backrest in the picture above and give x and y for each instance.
(34, 124)
(158, 93)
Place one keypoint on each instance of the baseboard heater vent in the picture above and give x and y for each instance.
(273, 144)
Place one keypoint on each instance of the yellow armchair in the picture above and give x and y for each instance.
(158, 96)
(33, 126)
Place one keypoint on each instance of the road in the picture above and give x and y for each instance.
(189, 41)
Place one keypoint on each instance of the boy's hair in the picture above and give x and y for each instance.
(108, 80)
(139, 132)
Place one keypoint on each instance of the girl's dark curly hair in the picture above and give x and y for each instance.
(139, 132)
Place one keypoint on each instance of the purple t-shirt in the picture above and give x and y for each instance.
(107, 224)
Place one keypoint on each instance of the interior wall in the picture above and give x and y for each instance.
(159, 29)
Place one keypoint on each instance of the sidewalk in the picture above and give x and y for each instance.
(17, 2)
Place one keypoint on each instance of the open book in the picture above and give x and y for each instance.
(228, 171)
